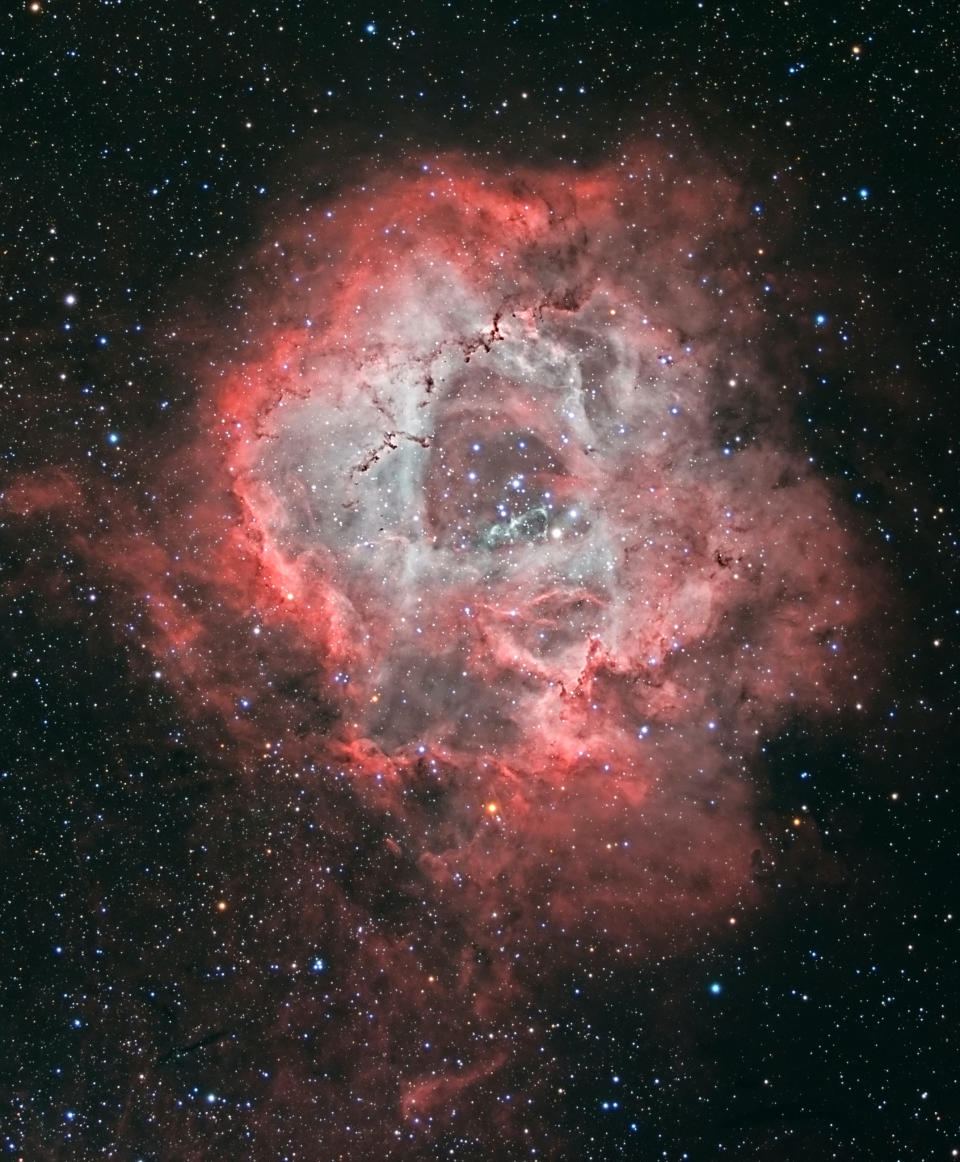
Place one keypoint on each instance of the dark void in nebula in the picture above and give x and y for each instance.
(494, 553)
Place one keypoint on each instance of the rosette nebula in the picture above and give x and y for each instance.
(513, 467)
(499, 562)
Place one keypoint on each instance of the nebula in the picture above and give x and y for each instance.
(496, 540)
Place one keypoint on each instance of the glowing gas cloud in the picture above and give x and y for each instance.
(512, 462)
(500, 543)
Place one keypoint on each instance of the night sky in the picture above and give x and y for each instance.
(478, 560)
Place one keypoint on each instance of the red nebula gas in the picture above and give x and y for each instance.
(502, 526)
(512, 463)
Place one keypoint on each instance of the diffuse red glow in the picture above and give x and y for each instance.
(503, 524)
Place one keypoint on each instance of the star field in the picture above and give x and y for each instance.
(478, 556)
